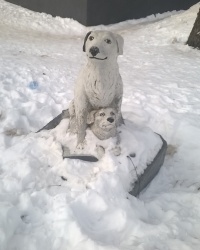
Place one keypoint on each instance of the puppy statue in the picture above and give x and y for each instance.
(103, 123)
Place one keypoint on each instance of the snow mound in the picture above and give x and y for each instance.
(37, 181)
(45, 202)
(137, 140)
(25, 19)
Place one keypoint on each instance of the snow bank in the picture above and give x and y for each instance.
(51, 204)
(21, 18)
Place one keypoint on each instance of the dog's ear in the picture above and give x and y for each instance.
(86, 37)
(91, 117)
(120, 43)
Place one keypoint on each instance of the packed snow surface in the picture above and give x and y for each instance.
(47, 203)
(139, 143)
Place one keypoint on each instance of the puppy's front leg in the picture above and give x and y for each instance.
(119, 104)
(117, 148)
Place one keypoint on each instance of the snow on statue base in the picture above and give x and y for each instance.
(151, 171)
(142, 151)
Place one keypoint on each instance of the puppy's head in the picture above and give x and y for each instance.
(103, 45)
(105, 119)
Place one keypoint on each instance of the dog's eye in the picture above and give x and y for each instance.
(108, 41)
(102, 114)
(112, 113)
(91, 38)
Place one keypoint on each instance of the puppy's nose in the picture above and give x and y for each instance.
(110, 119)
(94, 50)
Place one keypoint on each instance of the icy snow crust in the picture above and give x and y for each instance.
(89, 207)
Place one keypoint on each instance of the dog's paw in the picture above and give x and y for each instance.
(100, 151)
(71, 131)
(116, 151)
(81, 145)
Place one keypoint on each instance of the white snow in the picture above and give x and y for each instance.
(92, 209)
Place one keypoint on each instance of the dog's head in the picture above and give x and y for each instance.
(105, 119)
(103, 45)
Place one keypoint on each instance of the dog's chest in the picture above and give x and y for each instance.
(101, 88)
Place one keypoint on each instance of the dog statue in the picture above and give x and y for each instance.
(99, 84)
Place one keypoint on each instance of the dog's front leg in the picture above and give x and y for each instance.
(119, 104)
(81, 118)
(116, 104)
(118, 100)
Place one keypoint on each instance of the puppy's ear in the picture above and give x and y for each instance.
(120, 43)
(86, 37)
(91, 117)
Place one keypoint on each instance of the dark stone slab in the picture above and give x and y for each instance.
(151, 171)
(53, 123)
(194, 37)
(143, 180)
(95, 12)
(82, 157)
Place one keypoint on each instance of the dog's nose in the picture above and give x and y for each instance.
(110, 119)
(94, 50)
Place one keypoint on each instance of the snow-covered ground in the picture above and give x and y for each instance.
(89, 207)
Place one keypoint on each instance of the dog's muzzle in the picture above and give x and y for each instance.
(110, 119)
(94, 50)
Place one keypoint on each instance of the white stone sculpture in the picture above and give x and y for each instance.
(99, 84)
